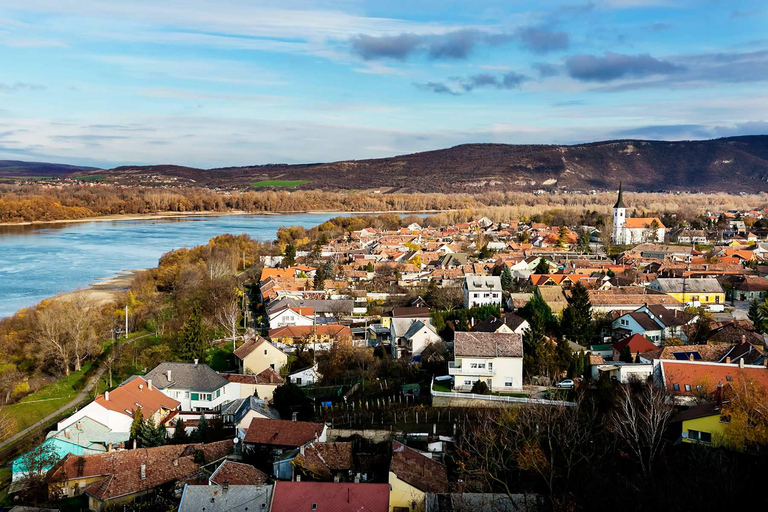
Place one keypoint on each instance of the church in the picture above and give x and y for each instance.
(634, 230)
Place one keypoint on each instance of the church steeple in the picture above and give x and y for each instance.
(620, 201)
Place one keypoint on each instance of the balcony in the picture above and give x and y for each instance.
(453, 369)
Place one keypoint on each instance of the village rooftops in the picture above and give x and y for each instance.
(487, 344)
(199, 377)
(322, 459)
(136, 392)
(237, 473)
(283, 432)
(232, 498)
(330, 497)
(417, 469)
(249, 346)
(693, 285)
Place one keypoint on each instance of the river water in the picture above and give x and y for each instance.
(40, 261)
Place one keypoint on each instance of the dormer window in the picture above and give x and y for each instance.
(314, 506)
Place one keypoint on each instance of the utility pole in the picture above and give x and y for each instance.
(126, 320)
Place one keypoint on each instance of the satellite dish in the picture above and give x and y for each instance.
(235, 440)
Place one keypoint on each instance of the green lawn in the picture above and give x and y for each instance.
(440, 387)
(279, 183)
(32, 408)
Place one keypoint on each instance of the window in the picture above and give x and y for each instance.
(702, 437)
(698, 388)
(186, 394)
(729, 378)
(676, 387)
(298, 381)
(688, 388)
(508, 383)
(195, 396)
(314, 506)
(265, 351)
(467, 382)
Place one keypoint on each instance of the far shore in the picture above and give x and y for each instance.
(172, 215)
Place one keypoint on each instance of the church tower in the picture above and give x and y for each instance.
(619, 217)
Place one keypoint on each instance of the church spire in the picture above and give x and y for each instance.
(620, 201)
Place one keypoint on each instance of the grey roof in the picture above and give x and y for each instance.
(483, 283)
(402, 326)
(620, 200)
(237, 498)
(487, 344)
(197, 377)
(413, 329)
(241, 406)
(690, 285)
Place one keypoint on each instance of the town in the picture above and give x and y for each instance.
(403, 364)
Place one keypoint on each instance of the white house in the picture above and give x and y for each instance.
(634, 230)
(286, 315)
(114, 409)
(496, 358)
(411, 335)
(197, 386)
(481, 290)
(655, 322)
(305, 377)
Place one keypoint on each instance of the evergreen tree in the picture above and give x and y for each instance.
(563, 355)
(138, 422)
(542, 267)
(180, 434)
(584, 242)
(533, 341)
(319, 280)
(755, 315)
(369, 267)
(480, 388)
(202, 431)
(577, 321)
(507, 281)
(626, 355)
(151, 435)
(289, 255)
(192, 344)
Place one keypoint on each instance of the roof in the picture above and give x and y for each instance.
(487, 344)
(483, 283)
(240, 407)
(641, 222)
(249, 346)
(122, 469)
(267, 376)
(298, 331)
(410, 312)
(199, 377)
(698, 411)
(236, 498)
(734, 333)
(753, 284)
(620, 200)
(283, 432)
(700, 373)
(330, 497)
(323, 458)
(636, 342)
(237, 473)
(492, 324)
(692, 285)
(136, 391)
(86, 432)
(707, 352)
(418, 470)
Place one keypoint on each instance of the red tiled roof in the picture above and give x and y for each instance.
(237, 473)
(418, 470)
(323, 458)
(282, 432)
(268, 376)
(330, 497)
(125, 397)
(637, 343)
(708, 375)
(298, 331)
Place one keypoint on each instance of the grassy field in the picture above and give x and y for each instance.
(34, 407)
(91, 178)
(279, 183)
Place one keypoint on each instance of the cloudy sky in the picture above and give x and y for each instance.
(236, 82)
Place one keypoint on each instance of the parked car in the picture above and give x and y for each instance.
(566, 383)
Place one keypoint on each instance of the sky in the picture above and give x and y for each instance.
(240, 82)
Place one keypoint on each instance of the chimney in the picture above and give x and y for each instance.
(79, 426)
(719, 394)
(168, 375)
(106, 396)
(195, 362)
(225, 486)
(67, 433)
(149, 384)
(690, 357)
(741, 363)
(143, 471)
(298, 478)
(295, 416)
(765, 361)
(743, 338)
(141, 387)
(728, 360)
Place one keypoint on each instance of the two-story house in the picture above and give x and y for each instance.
(703, 292)
(655, 322)
(481, 290)
(196, 386)
(496, 358)
(410, 336)
(288, 315)
(257, 354)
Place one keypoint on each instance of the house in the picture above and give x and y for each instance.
(262, 385)
(412, 474)
(508, 323)
(689, 236)
(226, 498)
(655, 322)
(322, 462)
(629, 230)
(288, 315)
(283, 435)
(196, 386)
(83, 437)
(687, 380)
(291, 334)
(696, 292)
(117, 478)
(703, 423)
(619, 370)
(751, 288)
(305, 377)
(330, 497)
(637, 343)
(410, 336)
(481, 290)
(496, 358)
(239, 412)
(114, 409)
(237, 473)
(257, 354)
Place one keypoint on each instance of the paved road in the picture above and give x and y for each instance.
(84, 393)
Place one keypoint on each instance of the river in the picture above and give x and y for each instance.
(43, 260)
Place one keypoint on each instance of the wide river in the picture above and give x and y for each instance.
(40, 261)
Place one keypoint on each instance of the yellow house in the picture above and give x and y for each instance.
(412, 475)
(257, 354)
(702, 424)
(703, 291)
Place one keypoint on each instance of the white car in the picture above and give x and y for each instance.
(566, 383)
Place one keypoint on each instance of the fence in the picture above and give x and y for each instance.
(500, 398)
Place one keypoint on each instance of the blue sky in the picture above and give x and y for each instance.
(208, 84)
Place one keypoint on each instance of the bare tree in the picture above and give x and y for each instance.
(52, 334)
(640, 419)
(228, 317)
(82, 317)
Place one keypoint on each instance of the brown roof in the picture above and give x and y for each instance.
(298, 331)
(267, 376)
(734, 333)
(136, 391)
(707, 352)
(418, 470)
(122, 469)
(237, 473)
(249, 346)
(323, 458)
(330, 497)
(282, 432)
(487, 344)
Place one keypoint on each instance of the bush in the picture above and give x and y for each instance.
(480, 388)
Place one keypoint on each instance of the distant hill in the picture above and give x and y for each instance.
(732, 164)
(17, 168)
